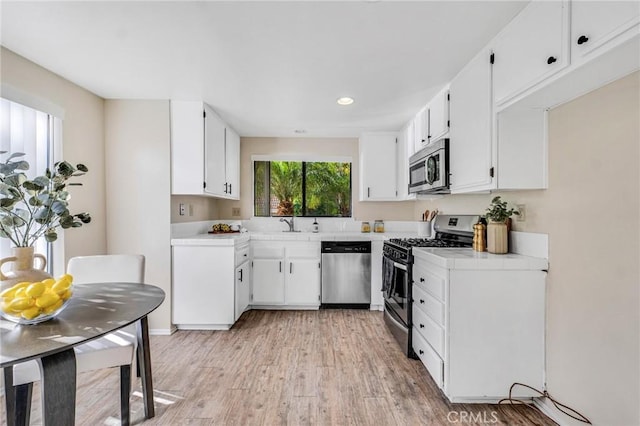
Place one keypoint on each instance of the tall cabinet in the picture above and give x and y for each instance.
(205, 152)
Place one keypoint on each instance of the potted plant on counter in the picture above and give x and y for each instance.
(34, 208)
(497, 231)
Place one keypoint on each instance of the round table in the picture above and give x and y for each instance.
(94, 311)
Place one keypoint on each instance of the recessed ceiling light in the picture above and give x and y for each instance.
(345, 100)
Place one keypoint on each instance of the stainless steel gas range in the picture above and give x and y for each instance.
(451, 231)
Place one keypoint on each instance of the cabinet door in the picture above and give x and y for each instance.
(421, 129)
(203, 290)
(530, 49)
(378, 167)
(594, 23)
(232, 164)
(470, 149)
(187, 147)
(303, 282)
(405, 150)
(439, 115)
(215, 153)
(268, 282)
(243, 289)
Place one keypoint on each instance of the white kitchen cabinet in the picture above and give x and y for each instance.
(243, 288)
(203, 287)
(421, 129)
(204, 152)
(497, 310)
(378, 164)
(405, 148)
(302, 282)
(596, 23)
(439, 115)
(470, 147)
(532, 47)
(286, 274)
(377, 298)
(268, 281)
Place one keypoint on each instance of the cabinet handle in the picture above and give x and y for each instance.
(245, 255)
(583, 39)
(240, 275)
(421, 300)
(551, 59)
(230, 191)
(421, 279)
(421, 351)
(368, 192)
(280, 266)
(225, 187)
(291, 267)
(421, 325)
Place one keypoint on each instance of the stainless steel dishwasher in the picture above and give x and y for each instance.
(346, 274)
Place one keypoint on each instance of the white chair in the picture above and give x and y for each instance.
(113, 350)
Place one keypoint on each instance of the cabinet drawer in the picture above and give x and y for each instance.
(424, 301)
(432, 332)
(305, 250)
(430, 359)
(267, 250)
(242, 254)
(430, 282)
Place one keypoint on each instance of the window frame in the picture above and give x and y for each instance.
(303, 158)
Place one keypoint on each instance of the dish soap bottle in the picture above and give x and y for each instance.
(316, 227)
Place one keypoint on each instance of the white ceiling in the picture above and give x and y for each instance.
(268, 68)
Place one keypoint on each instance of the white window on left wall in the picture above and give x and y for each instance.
(38, 135)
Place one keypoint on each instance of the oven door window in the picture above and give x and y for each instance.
(433, 169)
(398, 294)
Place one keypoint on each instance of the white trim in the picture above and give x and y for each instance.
(36, 102)
(310, 158)
(548, 410)
(162, 331)
(529, 244)
(213, 327)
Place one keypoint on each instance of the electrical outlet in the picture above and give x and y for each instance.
(235, 211)
(523, 212)
(182, 209)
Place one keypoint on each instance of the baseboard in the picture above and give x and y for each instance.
(548, 410)
(206, 327)
(377, 307)
(162, 331)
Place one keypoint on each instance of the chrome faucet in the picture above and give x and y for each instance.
(288, 222)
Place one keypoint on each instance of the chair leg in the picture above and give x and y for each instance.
(17, 400)
(125, 393)
(137, 363)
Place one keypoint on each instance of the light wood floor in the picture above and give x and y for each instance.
(328, 367)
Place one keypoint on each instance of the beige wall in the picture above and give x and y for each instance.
(591, 212)
(83, 138)
(197, 208)
(138, 190)
(336, 147)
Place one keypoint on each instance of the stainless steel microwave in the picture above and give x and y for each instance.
(429, 169)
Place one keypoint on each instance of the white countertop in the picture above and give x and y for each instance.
(237, 239)
(467, 258)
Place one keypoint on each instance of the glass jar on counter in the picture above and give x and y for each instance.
(378, 226)
(365, 227)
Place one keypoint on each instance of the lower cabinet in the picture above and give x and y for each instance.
(204, 294)
(479, 331)
(286, 274)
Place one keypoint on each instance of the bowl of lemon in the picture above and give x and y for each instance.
(35, 302)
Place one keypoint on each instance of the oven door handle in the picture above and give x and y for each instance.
(400, 266)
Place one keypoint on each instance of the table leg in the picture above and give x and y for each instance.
(144, 356)
(17, 400)
(58, 388)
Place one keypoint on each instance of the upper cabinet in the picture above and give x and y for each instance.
(421, 129)
(470, 147)
(205, 152)
(405, 148)
(378, 166)
(439, 115)
(532, 47)
(595, 23)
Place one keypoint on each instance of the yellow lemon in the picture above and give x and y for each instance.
(61, 286)
(5, 306)
(21, 292)
(47, 299)
(20, 303)
(51, 309)
(35, 289)
(49, 282)
(67, 294)
(30, 313)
